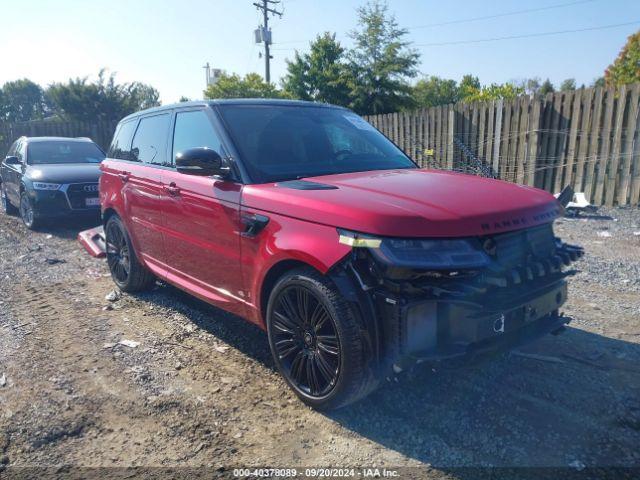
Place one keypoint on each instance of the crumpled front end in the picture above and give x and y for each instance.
(433, 300)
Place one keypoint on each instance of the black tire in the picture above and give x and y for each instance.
(304, 341)
(126, 270)
(7, 206)
(27, 213)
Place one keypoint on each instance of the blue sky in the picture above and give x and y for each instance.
(166, 42)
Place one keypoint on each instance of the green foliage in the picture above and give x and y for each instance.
(469, 87)
(598, 82)
(493, 92)
(21, 101)
(184, 99)
(546, 87)
(381, 62)
(433, 91)
(568, 85)
(234, 86)
(81, 100)
(321, 75)
(626, 67)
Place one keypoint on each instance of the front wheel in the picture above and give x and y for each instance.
(27, 212)
(316, 341)
(126, 270)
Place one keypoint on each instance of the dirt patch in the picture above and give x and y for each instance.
(200, 388)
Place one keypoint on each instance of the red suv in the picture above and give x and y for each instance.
(308, 222)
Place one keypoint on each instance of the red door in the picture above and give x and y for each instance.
(143, 192)
(202, 224)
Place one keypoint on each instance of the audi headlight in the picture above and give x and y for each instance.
(46, 186)
(429, 254)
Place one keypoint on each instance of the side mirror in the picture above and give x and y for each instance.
(200, 161)
(12, 160)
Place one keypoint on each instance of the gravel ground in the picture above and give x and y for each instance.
(198, 388)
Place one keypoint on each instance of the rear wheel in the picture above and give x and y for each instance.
(316, 341)
(126, 270)
(27, 213)
(7, 206)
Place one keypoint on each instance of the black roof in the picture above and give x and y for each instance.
(233, 101)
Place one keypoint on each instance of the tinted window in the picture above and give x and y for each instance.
(150, 141)
(194, 129)
(63, 152)
(286, 142)
(121, 144)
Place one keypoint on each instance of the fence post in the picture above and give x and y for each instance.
(497, 136)
(450, 133)
(534, 140)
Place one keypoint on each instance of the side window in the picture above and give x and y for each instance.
(121, 145)
(194, 129)
(150, 141)
(12, 149)
(20, 150)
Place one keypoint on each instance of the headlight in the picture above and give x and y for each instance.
(46, 186)
(431, 254)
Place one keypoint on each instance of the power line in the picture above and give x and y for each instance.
(527, 35)
(500, 15)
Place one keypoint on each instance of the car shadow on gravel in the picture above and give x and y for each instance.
(574, 399)
(68, 228)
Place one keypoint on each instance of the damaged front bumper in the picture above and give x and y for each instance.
(412, 314)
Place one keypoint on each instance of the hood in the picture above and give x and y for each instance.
(409, 203)
(64, 173)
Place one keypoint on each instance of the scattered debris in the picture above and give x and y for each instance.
(637, 234)
(397, 368)
(226, 380)
(3, 380)
(200, 447)
(54, 261)
(178, 366)
(108, 345)
(107, 308)
(534, 356)
(129, 343)
(113, 295)
(49, 237)
(604, 234)
(221, 348)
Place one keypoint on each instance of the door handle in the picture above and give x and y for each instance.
(172, 189)
(124, 176)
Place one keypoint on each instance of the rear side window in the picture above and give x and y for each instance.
(193, 129)
(150, 141)
(121, 144)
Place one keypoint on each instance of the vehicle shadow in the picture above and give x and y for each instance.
(68, 228)
(572, 397)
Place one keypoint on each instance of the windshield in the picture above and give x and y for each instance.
(279, 143)
(63, 152)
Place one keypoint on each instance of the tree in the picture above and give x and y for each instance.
(234, 86)
(546, 87)
(598, 82)
(381, 61)
(21, 101)
(568, 85)
(320, 75)
(433, 91)
(494, 92)
(532, 85)
(81, 100)
(469, 87)
(626, 67)
(184, 99)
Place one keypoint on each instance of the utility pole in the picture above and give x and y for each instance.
(263, 34)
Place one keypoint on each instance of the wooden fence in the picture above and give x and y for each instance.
(99, 132)
(588, 138)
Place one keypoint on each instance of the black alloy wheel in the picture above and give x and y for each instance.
(306, 341)
(118, 257)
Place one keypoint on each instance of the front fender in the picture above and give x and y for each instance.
(285, 239)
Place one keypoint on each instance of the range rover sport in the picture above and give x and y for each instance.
(307, 221)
